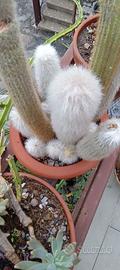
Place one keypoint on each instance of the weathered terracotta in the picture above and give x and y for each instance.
(43, 170)
(59, 198)
(76, 54)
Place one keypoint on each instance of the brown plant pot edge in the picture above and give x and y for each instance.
(43, 170)
(76, 54)
(60, 199)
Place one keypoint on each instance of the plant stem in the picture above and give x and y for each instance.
(16, 177)
(5, 113)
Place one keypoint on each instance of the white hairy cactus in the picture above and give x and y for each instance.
(101, 143)
(46, 65)
(35, 147)
(73, 98)
(19, 124)
(55, 149)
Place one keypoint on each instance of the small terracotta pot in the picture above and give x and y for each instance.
(59, 198)
(43, 170)
(76, 54)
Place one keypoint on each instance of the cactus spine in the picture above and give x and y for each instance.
(105, 59)
(17, 75)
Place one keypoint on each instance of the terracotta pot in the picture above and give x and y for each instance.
(76, 53)
(59, 198)
(43, 170)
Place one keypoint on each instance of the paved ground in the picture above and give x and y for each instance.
(101, 249)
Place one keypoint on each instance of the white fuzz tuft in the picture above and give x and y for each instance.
(46, 66)
(92, 127)
(56, 150)
(101, 143)
(45, 108)
(74, 96)
(19, 124)
(35, 147)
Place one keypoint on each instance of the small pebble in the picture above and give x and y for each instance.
(23, 234)
(54, 230)
(44, 201)
(86, 46)
(64, 237)
(25, 190)
(25, 195)
(63, 228)
(23, 184)
(40, 206)
(34, 202)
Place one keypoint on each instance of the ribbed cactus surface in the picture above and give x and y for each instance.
(18, 77)
(105, 59)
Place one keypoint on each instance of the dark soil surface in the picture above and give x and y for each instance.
(47, 215)
(53, 162)
(86, 41)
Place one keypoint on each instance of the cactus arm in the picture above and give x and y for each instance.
(100, 143)
(105, 58)
(17, 77)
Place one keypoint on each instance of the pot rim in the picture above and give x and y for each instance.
(58, 196)
(43, 170)
(76, 54)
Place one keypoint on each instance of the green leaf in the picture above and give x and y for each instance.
(49, 258)
(29, 265)
(66, 261)
(4, 213)
(59, 239)
(3, 205)
(40, 253)
(35, 244)
(2, 149)
(2, 222)
(51, 267)
(70, 249)
(56, 243)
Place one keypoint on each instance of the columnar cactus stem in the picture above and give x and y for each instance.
(105, 58)
(18, 78)
(7, 10)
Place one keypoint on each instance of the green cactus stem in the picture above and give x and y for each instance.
(105, 59)
(17, 77)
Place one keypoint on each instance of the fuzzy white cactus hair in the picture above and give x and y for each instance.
(46, 65)
(55, 149)
(101, 143)
(35, 147)
(17, 122)
(74, 96)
